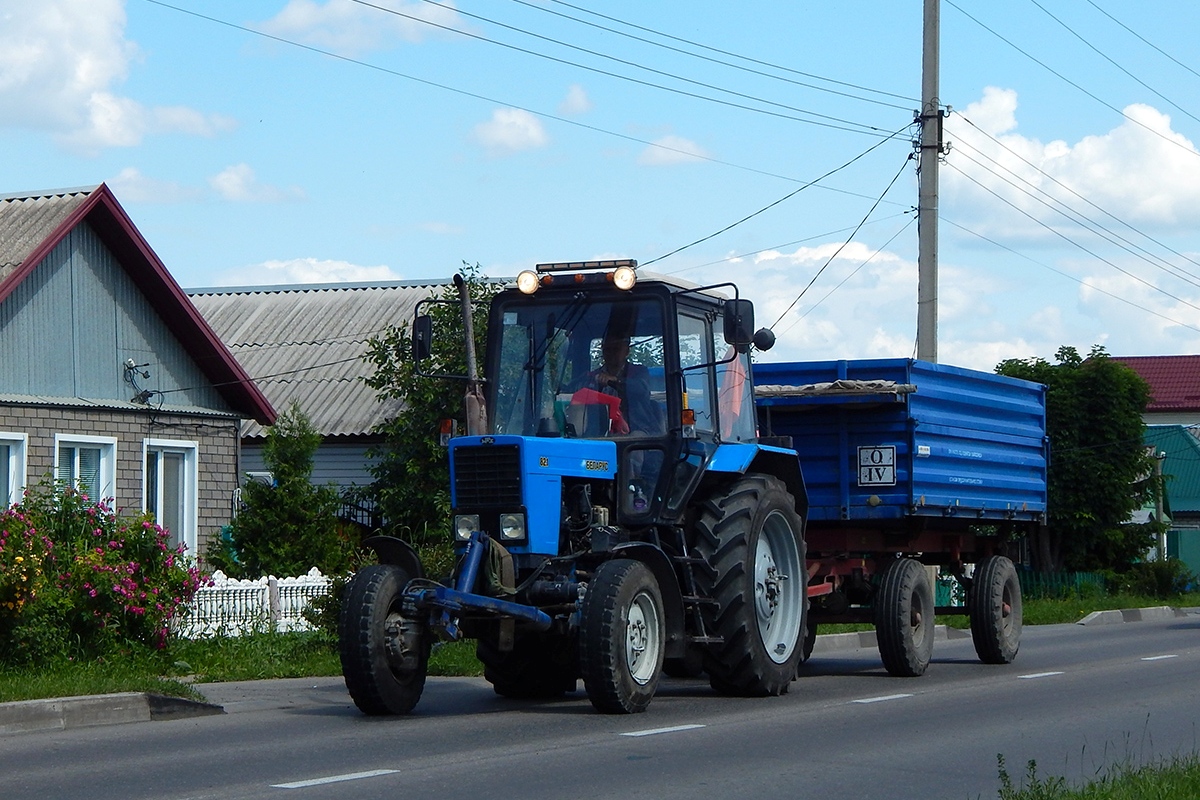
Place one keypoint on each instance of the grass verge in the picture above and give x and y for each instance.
(1175, 778)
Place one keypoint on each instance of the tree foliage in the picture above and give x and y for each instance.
(1100, 471)
(292, 526)
(412, 472)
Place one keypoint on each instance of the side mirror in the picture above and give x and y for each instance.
(422, 337)
(764, 339)
(739, 322)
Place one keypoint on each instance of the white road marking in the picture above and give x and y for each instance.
(656, 731)
(1160, 658)
(350, 776)
(1038, 675)
(882, 698)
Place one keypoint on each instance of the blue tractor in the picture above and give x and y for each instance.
(615, 514)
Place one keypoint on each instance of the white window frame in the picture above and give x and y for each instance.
(18, 466)
(189, 513)
(108, 460)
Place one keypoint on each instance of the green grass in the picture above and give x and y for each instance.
(1176, 778)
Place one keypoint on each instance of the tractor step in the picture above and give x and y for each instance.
(706, 640)
(695, 600)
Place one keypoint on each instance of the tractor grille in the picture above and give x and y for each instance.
(487, 476)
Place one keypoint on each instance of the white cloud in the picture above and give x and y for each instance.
(353, 29)
(1141, 171)
(130, 185)
(511, 130)
(238, 183)
(304, 270)
(59, 63)
(576, 101)
(671, 149)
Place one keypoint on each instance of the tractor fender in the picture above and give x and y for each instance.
(782, 462)
(668, 584)
(396, 552)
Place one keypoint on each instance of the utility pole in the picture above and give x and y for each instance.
(927, 208)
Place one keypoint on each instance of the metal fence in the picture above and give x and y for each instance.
(232, 607)
(1056, 585)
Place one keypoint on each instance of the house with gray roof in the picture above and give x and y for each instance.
(110, 379)
(304, 344)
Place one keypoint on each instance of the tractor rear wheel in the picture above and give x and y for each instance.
(904, 618)
(752, 539)
(385, 655)
(538, 666)
(995, 606)
(622, 632)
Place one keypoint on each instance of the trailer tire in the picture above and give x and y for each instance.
(994, 603)
(810, 640)
(752, 539)
(538, 666)
(379, 678)
(622, 635)
(904, 618)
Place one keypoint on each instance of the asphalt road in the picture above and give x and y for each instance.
(1077, 699)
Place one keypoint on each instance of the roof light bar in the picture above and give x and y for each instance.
(577, 266)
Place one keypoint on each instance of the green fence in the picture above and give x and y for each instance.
(1040, 585)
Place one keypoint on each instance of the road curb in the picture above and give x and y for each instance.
(833, 642)
(1131, 615)
(62, 713)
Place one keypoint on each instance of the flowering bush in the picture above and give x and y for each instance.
(78, 580)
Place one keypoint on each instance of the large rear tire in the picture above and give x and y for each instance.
(539, 666)
(385, 656)
(995, 608)
(621, 637)
(904, 618)
(752, 539)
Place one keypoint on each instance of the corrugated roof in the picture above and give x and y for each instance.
(1182, 464)
(1174, 380)
(305, 342)
(27, 221)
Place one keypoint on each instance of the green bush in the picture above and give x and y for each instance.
(1160, 579)
(78, 580)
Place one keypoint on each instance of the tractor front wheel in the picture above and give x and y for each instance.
(385, 655)
(621, 637)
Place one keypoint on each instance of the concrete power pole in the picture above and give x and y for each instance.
(927, 208)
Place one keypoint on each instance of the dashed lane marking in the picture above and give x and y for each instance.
(1160, 658)
(882, 698)
(349, 776)
(656, 731)
(1033, 675)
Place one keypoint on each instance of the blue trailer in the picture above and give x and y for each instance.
(909, 466)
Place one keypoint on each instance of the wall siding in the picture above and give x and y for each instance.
(69, 327)
(339, 463)
(217, 459)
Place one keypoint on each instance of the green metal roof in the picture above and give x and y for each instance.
(1182, 464)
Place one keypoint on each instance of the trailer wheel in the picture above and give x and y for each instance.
(810, 640)
(537, 667)
(621, 637)
(904, 618)
(995, 608)
(752, 538)
(384, 654)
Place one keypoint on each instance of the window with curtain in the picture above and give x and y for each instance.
(88, 465)
(170, 489)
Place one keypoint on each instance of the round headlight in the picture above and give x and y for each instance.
(527, 281)
(624, 277)
(464, 526)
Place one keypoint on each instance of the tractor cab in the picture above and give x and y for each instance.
(593, 351)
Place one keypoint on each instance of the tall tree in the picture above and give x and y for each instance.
(1100, 471)
(412, 473)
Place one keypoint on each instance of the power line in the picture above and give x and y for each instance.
(709, 59)
(1105, 56)
(1067, 80)
(734, 55)
(858, 127)
(849, 239)
(771, 205)
(484, 98)
(1144, 39)
(1066, 275)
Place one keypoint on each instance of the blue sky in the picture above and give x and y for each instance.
(293, 141)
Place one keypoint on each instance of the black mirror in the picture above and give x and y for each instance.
(739, 322)
(422, 337)
(764, 339)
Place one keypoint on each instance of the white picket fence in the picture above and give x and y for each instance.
(232, 607)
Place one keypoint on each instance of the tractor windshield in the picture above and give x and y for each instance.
(581, 367)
